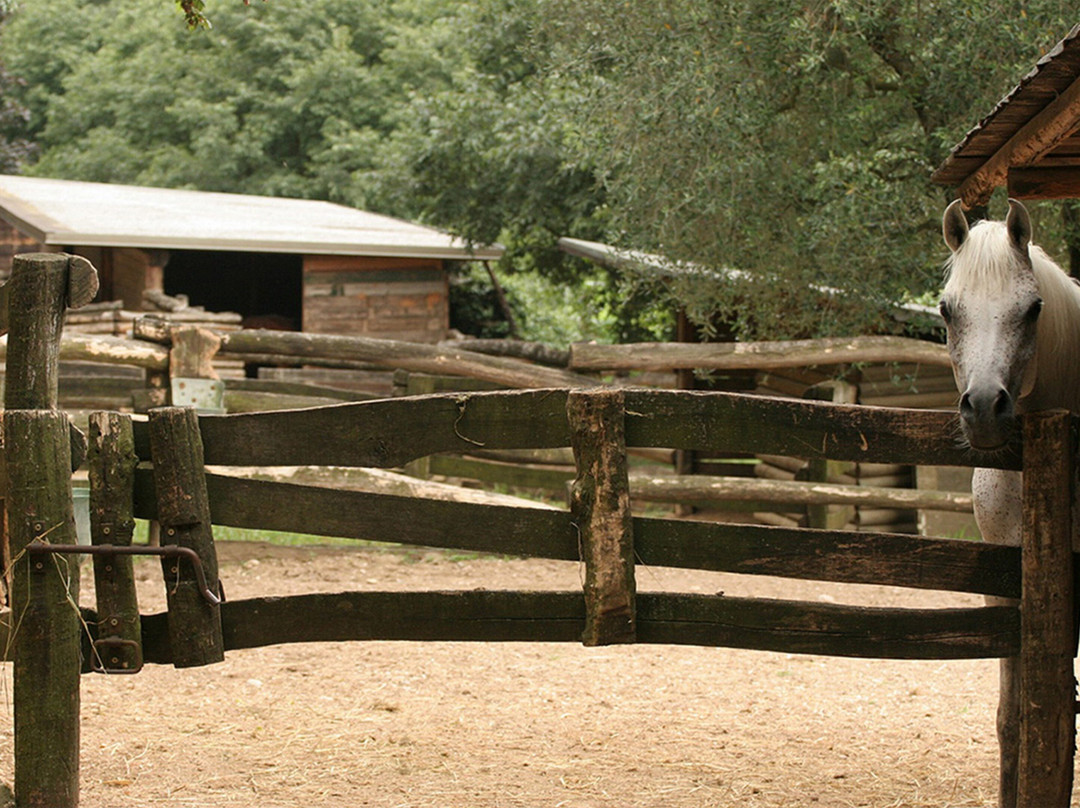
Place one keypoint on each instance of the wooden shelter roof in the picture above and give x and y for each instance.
(1029, 140)
(66, 213)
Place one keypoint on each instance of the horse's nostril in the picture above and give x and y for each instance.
(986, 405)
(967, 410)
(1003, 404)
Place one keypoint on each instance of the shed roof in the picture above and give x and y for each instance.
(91, 214)
(1029, 139)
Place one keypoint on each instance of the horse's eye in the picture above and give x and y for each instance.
(1034, 310)
(946, 310)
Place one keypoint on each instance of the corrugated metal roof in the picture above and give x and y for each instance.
(66, 213)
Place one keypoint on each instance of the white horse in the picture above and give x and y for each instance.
(1013, 319)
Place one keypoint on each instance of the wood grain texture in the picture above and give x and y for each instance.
(192, 352)
(1047, 686)
(889, 559)
(391, 432)
(703, 488)
(600, 505)
(183, 509)
(755, 355)
(46, 644)
(37, 297)
(830, 555)
(500, 616)
(1038, 135)
(740, 423)
(112, 522)
(1044, 183)
(384, 433)
(398, 354)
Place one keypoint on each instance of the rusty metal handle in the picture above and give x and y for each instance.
(167, 551)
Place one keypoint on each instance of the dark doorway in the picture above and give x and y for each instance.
(265, 288)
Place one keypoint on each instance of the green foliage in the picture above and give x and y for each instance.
(268, 101)
(596, 306)
(792, 140)
(778, 149)
(427, 109)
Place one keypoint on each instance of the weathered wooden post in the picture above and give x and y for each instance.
(833, 517)
(1047, 633)
(37, 451)
(112, 462)
(600, 502)
(184, 513)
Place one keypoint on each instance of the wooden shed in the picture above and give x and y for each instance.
(1029, 141)
(289, 263)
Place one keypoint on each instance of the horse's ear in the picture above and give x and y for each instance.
(1018, 223)
(954, 225)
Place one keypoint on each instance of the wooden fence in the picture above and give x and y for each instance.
(157, 469)
(164, 356)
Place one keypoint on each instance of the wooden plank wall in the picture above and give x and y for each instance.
(388, 298)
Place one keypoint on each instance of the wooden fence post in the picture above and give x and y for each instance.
(45, 589)
(1047, 686)
(600, 503)
(183, 508)
(112, 475)
(45, 618)
(833, 517)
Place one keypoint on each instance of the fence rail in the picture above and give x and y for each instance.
(391, 432)
(667, 619)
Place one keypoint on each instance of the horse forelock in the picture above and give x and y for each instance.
(986, 262)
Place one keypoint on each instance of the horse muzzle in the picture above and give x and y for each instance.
(987, 417)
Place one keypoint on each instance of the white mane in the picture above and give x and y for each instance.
(1057, 355)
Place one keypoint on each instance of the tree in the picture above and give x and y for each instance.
(433, 110)
(268, 101)
(789, 140)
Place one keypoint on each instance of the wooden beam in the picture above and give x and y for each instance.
(823, 555)
(106, 350)
(391, 432)
(755, 355)
(701, 488)
(46, 644)
(1045, 183)
(1039, 135)
(670, 619)
(397, 354)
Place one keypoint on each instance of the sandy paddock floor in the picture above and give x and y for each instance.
(459, 725)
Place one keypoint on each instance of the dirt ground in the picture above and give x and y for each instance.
(458, 725)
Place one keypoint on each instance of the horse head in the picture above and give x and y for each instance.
(991, 307)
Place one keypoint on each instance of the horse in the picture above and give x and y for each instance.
(1013, 331)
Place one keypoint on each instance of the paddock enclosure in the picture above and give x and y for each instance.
(180, 468)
